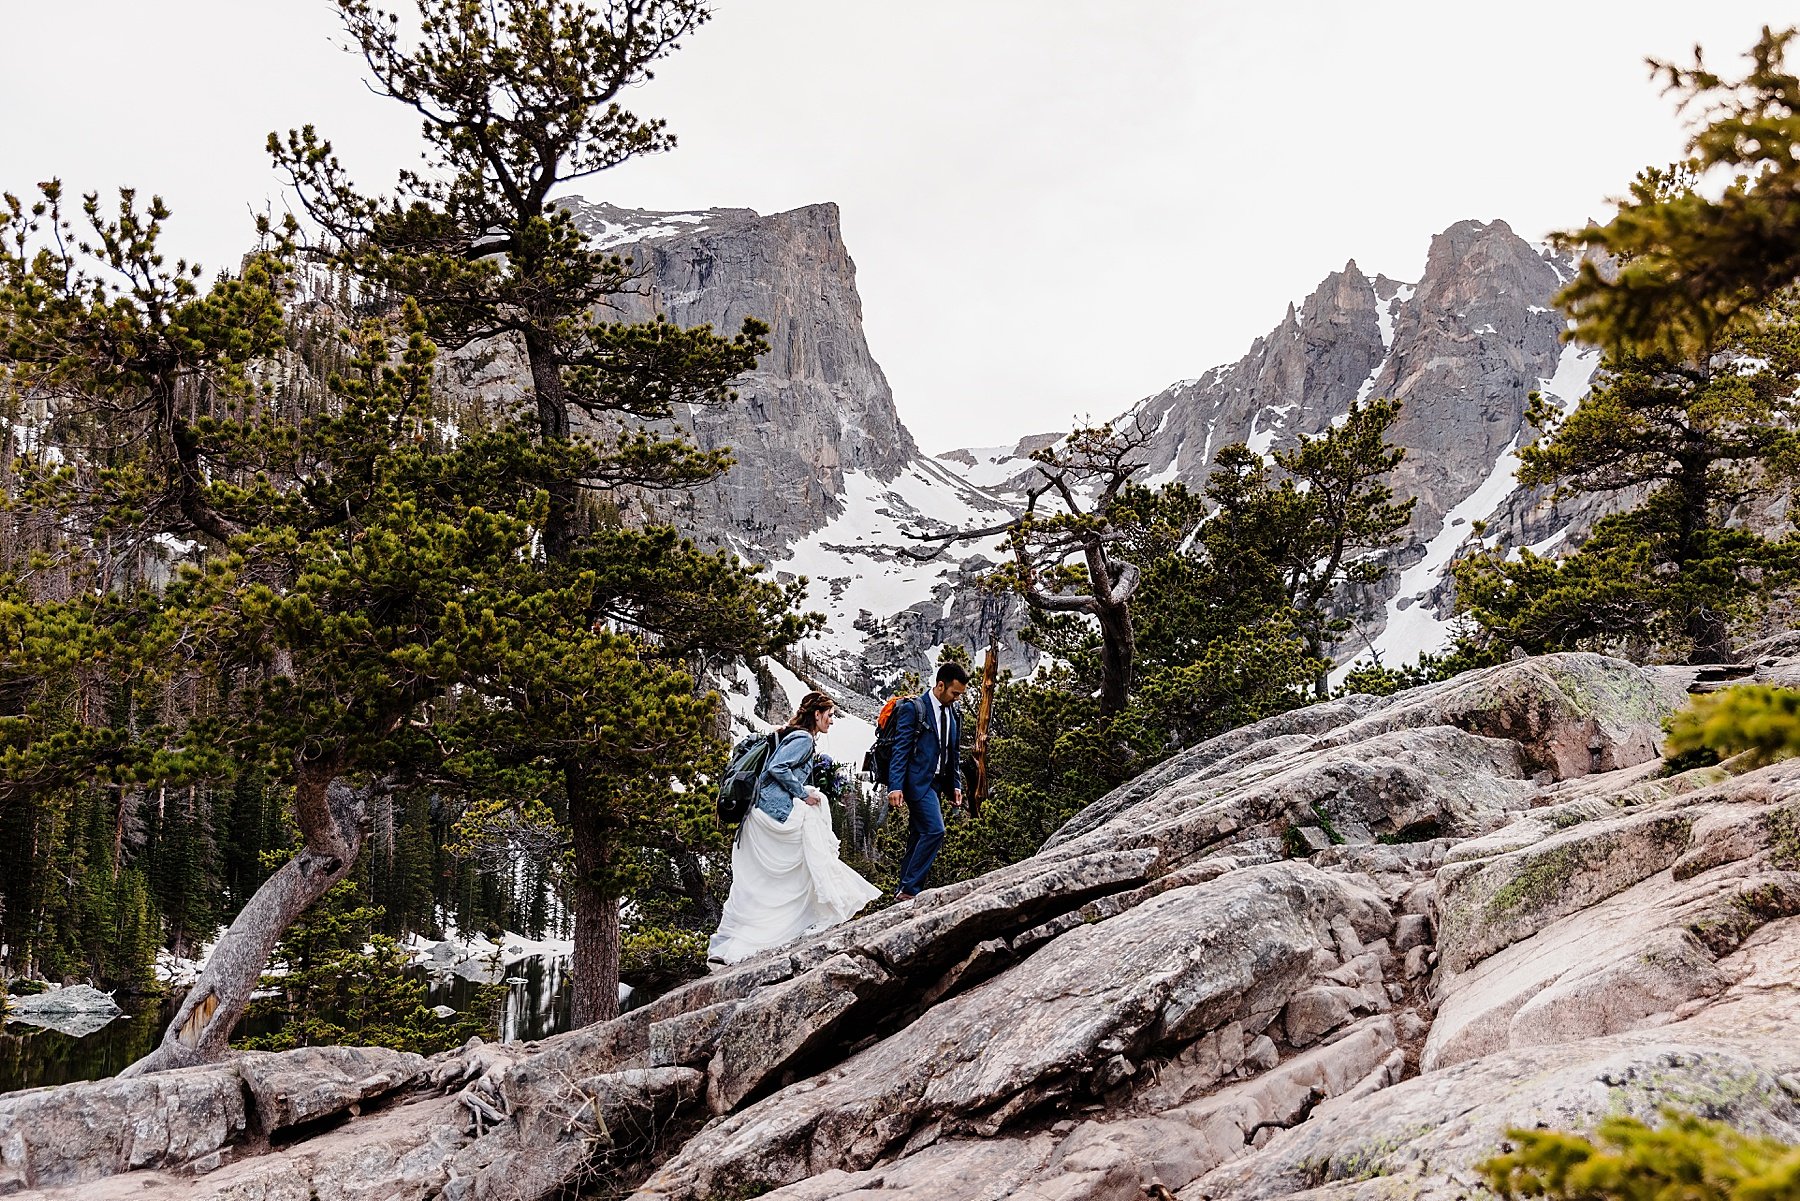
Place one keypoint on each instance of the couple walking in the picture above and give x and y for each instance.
(787, 879)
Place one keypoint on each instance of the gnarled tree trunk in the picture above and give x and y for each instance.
(332, 819)
(598, 938)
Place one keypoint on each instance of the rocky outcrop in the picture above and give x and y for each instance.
(816, 407)
(78, 1010)
(190, 1120)
(1325, 955)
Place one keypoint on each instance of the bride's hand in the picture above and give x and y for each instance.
(814, 796)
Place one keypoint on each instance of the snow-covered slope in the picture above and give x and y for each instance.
(886, 608)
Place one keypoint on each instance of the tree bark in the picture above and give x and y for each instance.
(598, 939)
(553, 426)
(332, 817)
(1118, 647)
(694, 885)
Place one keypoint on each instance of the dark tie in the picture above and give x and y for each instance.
(943, 738)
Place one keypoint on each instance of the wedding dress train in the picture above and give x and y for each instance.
(786, 880)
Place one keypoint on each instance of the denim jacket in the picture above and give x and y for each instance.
(784, 777)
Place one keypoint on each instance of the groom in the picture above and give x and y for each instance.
(926, 765)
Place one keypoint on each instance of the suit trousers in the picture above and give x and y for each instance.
(924, 835)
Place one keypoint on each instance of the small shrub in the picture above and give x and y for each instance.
(1685, 1159)
(1750, 717)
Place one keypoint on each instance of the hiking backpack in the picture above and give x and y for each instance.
(743, 772)
(881, 755)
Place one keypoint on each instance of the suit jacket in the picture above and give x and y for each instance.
(916, 750)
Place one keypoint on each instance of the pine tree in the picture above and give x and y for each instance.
(1626, 1160)
(1682, 265)
(1690, 291)
(363, 608)
(518, 98)
(1318, 516)
(1216, 646)
(1065, 546)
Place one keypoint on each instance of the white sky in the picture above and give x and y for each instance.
(1055, 206)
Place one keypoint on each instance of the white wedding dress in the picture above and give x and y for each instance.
(786, 880)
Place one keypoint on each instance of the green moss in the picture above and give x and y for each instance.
(1715, 1092)
(1367, 1161)
(1539, 883)
(1325, 824)
(1596, 694)
(1784, 838)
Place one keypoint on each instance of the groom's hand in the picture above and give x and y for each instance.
(896, 798)
(957, 800)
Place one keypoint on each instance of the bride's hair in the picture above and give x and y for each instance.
(806, 717)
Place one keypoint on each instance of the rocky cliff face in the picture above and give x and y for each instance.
(1335, 954)
(816, 409)
(830, 484)
(1462, 348)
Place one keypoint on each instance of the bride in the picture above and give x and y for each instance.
(786, 877)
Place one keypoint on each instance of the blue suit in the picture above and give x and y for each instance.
(913, 771)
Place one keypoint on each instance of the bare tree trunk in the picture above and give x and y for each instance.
(598, 940)
(553, 426)
(332, 817)
(1118, 647)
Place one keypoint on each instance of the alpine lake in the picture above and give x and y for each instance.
(33, 1056)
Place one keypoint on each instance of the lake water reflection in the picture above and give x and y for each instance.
(31, 1057)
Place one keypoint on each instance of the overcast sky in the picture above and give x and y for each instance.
(1055, 206)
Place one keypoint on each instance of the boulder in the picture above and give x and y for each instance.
(1571, 714)
(85, 1132)
(76, 998)
(1733, 1060)
(295, 1087)
(1118, 1157)
(1295, 728)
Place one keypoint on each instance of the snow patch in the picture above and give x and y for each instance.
(1517, 553)
(1385, 312)
(1161, 478)
(992, 466)
(1574, 375)
(1260, 440)
(854, 564)
(1412, 628)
